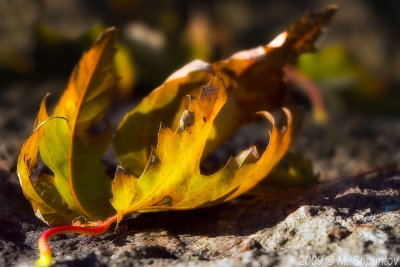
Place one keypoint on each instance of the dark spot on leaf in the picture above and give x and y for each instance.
(97, 129)
(154, 159)
(186, 120)
(166, 201)
(206, 91)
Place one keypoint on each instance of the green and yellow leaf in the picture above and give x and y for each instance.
(72, 147)
(172, 178)
(253, 80)
(162, 142)
(40, 190)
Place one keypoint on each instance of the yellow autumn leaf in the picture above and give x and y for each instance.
(172, 178)
(161, 142)
(41, 192)
(253, 80)
(72, 144)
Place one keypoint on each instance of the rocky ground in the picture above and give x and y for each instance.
(342, 220)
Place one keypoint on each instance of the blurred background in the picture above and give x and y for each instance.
(356, 69)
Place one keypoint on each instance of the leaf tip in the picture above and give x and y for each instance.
(108, 37)
(112, 31)
(332, 9)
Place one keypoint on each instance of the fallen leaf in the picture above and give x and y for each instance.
(72, 147)
(253, 79)
(162, 141)
(172, 178)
